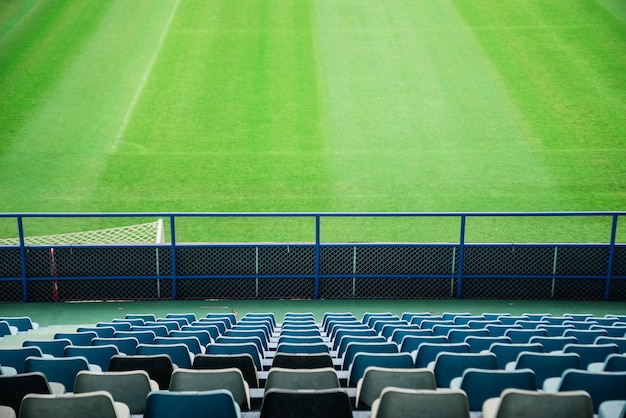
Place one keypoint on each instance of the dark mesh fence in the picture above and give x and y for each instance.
(275, 271)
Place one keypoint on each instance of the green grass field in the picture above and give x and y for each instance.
(325, 105)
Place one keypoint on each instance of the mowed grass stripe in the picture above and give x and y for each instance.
(416, 118)
(58, 153)
(565, 68)
(228, 120)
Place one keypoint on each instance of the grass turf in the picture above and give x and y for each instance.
(444, 105)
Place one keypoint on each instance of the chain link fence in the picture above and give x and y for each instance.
(48, 273)
(576, 272)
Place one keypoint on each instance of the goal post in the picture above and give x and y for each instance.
(145, 233)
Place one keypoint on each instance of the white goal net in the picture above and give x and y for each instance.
(147, 233)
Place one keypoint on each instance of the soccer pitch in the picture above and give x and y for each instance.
(321, 105)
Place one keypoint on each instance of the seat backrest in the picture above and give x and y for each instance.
(204, 337)
(22, 323)
(411, 343)
(77, 338)
(615, 363)
(143, 337)
(508, 353)
(310, 348)
(126, 346)
(375, 379)
(99, 355)
(397, 402)
(327, 403)
(14, 388)
(145, 317)
(478, 344)
(355, 347)
(54, 348)
(546, 365)
(243, 362)
(390, 360)
(297, 361)
(195, 380)
(591, 353)
(70, 406)
(179, 353)
(15, 357)
(213, 330)
(450, 365)
(189, 316)
(192, 343)
(244, 348)
(601, 386)
(302, 379)
(130, 387)
(61, 370)
(342, 339)
(480, 385)
(551, 344)
(516, 403)
(158, 367)
(427, 352)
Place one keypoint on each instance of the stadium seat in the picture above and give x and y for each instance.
(143, 337)
(314, 348)
(158, 367)
(398, 402)
(74, 405)
(14, 388)
(302, 379)
(178, 353)
(98, 355)
(129, 387)
(375, 379)
(613, 363)
(22, 323)
(77, 338)
(447, 366)
(15, 357)
(328, 403)
(245, 348)
(545, 365)
(508, 353)
(6, 329)
(427, 352)
(243, 362)
(61, 370)
(516, 403)
(195, 380)
(52, 348)
(601, 386)
(369, 347)
(126, 346)
(551, 344)
(389, 360)
(192, 343)
(298, 361)
(144, 317)
(591, 353)
(480, 385)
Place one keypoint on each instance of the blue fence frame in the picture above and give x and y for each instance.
(462, 217)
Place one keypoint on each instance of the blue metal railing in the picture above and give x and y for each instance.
(318, 244)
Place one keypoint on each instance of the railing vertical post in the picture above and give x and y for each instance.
(173, 235)
(317, 256)
(459, 289)
(20, 229)
(609, 267)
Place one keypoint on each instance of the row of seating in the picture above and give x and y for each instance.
(12, 325)
(348, 347)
